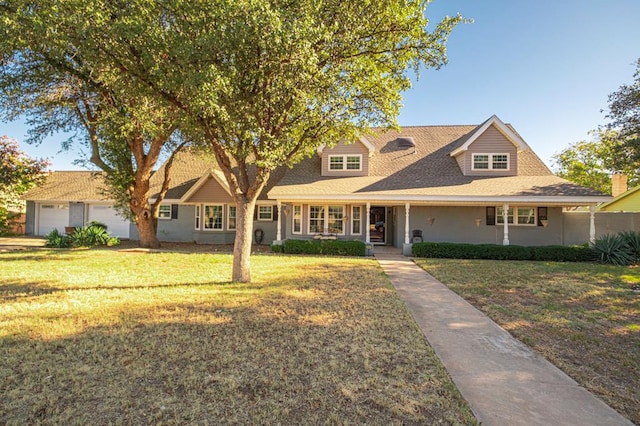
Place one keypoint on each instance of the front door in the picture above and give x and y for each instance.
(378, 225)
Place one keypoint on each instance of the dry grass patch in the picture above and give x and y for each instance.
(99, 337)
(585, 318)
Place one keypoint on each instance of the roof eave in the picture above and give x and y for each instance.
(516, 140)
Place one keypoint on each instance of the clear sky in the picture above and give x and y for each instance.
(544, 66)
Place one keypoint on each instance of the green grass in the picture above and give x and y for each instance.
(106, 337)
(585, 318)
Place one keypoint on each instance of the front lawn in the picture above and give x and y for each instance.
(107, 337)
(585, 318)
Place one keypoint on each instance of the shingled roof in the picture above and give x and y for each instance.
(69, 186)
(427, 172)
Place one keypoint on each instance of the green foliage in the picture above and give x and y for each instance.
(613, 249)
(499, 252)
(55, 239)
(277, 248)
(18, 173)
(591, 163)
(325, 247)
(632, 240)
(624, 113)
(94, 234)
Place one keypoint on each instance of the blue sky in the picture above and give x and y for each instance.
(544, 66)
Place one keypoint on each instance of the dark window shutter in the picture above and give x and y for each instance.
(174, 211)
(255, 213)
(542, 215)
(491, 215)
(275, 213)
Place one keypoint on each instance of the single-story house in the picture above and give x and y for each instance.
(463, 183)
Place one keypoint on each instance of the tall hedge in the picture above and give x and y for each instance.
(499, 252)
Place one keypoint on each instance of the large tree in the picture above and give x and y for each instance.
(262, 84)
(624, 113)
(59, 88)
(591, 163)
(18, 173)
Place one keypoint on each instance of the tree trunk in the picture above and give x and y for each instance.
(145, 221)
(147, 230)
(244, 238)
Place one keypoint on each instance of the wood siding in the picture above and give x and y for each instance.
(490, 142)
(630, 203)
(211, 193)
(356, 148)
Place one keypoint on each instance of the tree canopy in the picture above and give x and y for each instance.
(261, 84)
(18, 173)
(590, 163)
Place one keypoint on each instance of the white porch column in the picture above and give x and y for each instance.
(505, 220)
(406, 223)
(279, 229)
(592, 224)
(367, 234)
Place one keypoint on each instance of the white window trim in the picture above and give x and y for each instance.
(325, 218)
(515, 216)
(160, 210)
(352, 220)
(204, 207)
(229, 207)
(271, 207)
(293, 216)
(344, 163)
(490, 155)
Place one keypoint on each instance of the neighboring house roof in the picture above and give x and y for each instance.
(430, 174)
(69, 186)
(628, 201)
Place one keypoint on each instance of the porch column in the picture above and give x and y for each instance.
(592, 224)
(367, 234)
(505, 220)
(406, 223)
(279, 229)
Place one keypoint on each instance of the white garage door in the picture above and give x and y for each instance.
(116, 225)
(52, 216)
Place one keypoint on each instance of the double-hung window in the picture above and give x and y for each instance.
(335, 221)
(231, 217)
(213, 217)
(490, 162)
(165, 211)
(356, 220)
(265, 213)
(525, 216)
(297, 219)
(316, 219)
(345, 162)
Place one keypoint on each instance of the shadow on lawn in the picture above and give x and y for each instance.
(276, 359)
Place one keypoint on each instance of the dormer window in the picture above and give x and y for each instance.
(490, 162)
(345, 162)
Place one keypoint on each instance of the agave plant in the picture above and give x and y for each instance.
(632, 239)
(613, 249)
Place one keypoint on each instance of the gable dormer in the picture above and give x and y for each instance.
(345, 160)
(490, 150)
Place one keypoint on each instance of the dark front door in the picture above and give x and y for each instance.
(378, 225)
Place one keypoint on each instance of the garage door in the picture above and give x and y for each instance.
(116, 225)
(52, 216)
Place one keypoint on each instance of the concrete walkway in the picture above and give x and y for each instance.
(503, 380)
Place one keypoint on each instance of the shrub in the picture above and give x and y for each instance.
(499, 252)
(277, 248)
(55, 239)
(632, 240)
(325, 247)
(613, 249)
(86, 236)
